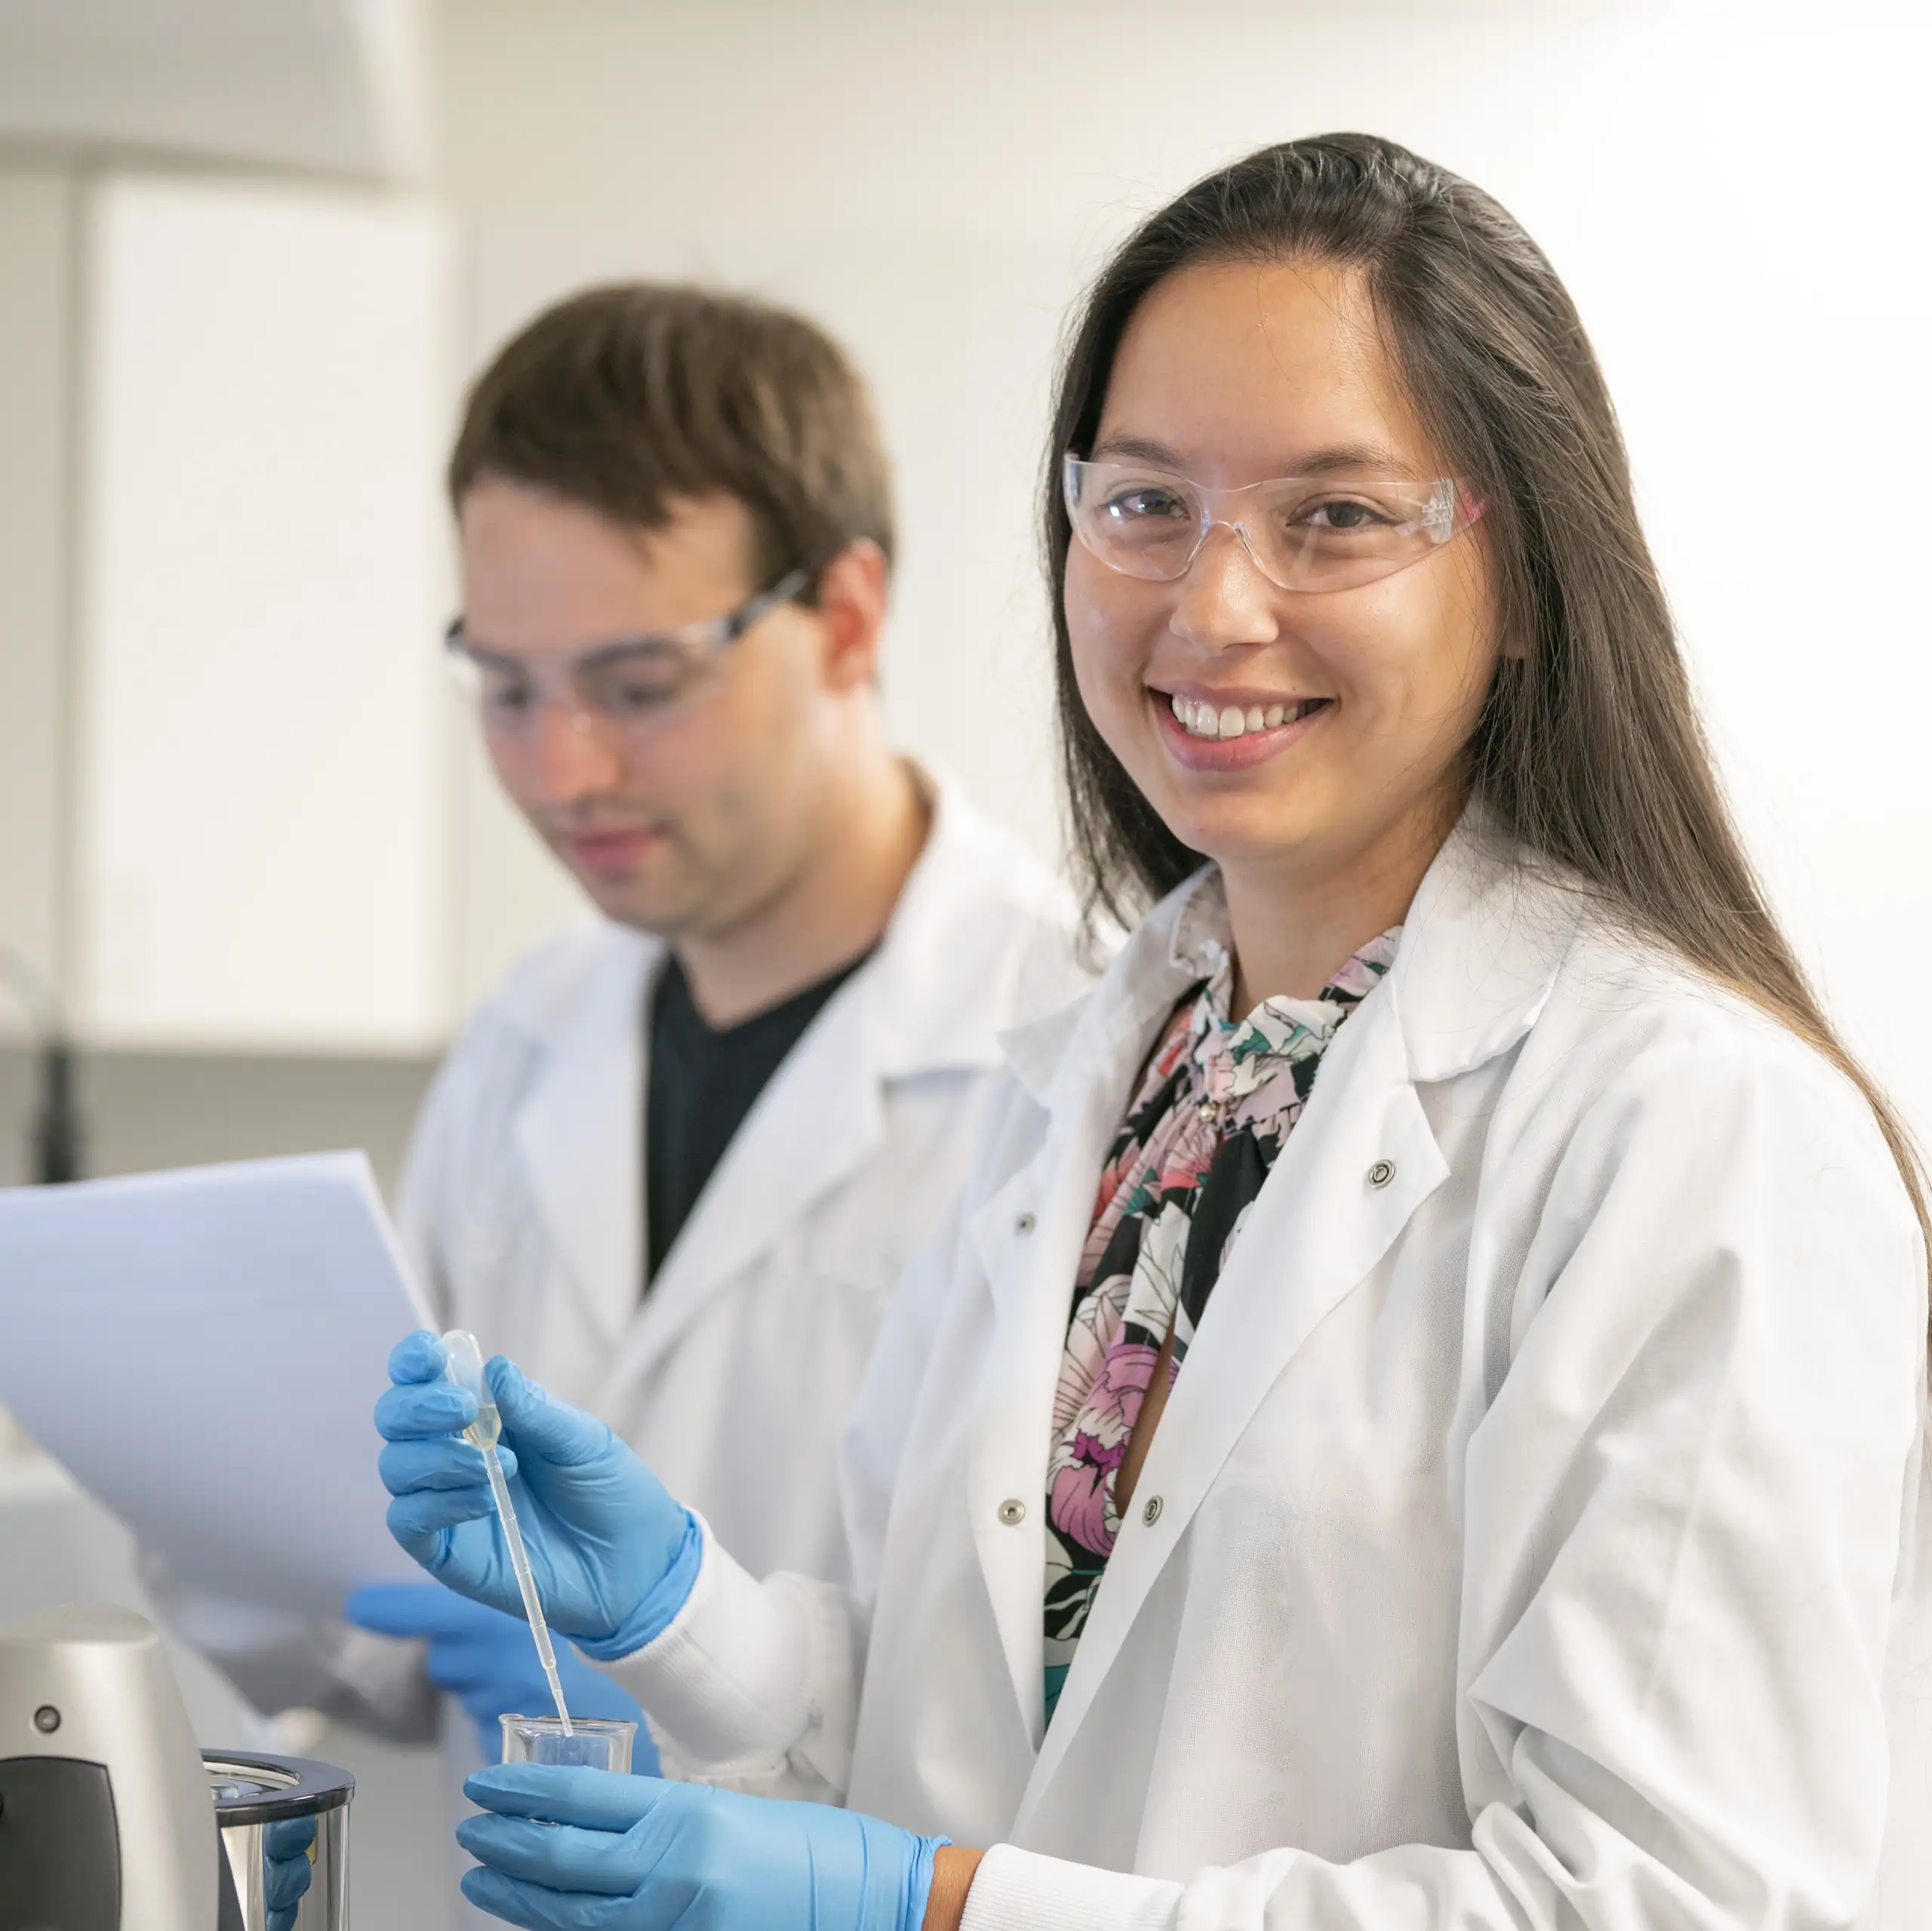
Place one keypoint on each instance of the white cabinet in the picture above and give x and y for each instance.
(248, 813)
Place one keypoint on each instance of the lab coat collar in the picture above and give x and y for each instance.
(1482, 944)
(939, 977)
(1480, 948)
(1050, 1056)
(925, 1002)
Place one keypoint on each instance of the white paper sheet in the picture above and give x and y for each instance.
(203, 1349)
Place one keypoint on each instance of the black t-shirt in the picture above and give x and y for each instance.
(701, 1084)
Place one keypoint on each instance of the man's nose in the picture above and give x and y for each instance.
(1225, 599)
(572, 753)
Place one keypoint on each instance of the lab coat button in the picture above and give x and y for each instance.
(1012, 1512)
(1382, 1172)
(1151, 1513)
(1024, 1224)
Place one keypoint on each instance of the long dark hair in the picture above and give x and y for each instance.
(1589, 750)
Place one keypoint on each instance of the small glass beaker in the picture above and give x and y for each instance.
(595, 1743)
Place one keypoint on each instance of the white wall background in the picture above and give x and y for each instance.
(1733, 192)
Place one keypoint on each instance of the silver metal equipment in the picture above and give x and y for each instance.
(111, 1818)
(105, 1820)
(291, 1805)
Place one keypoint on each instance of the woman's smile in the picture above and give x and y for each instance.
(1231, 730)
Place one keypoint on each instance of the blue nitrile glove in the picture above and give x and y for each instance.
(287, 1873)
(613, 1556)
(487, 1660)
(572, 1850)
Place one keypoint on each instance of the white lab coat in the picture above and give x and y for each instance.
(1535, 1537)
(521, 1203)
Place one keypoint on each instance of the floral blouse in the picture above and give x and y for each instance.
(1217, 1102)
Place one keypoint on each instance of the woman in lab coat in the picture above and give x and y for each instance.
(1417, 1420)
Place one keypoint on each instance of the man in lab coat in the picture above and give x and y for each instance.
(674, 1163)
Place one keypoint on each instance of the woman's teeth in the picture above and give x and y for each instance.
(1205, 720)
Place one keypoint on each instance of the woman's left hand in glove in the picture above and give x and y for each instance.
(566, 1849)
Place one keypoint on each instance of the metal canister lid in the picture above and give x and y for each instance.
(250, 1788)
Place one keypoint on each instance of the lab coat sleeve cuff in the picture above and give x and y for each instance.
(658, 1609)
(747, 1674)
(1020, 1890)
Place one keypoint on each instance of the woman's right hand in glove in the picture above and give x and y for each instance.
(614, 1556)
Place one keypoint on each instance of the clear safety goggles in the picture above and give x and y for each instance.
(1303, 533)
(626, 683)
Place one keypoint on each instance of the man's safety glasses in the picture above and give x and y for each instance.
(624, 684)
(1303, 533)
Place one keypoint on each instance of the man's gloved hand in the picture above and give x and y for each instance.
(287, 1873)
(583, 1850)
(613, 1555)
(487, 1660)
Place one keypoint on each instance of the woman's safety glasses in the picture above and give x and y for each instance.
(623, 684)
(1303, 533)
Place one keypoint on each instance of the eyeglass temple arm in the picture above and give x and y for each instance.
(787, 587)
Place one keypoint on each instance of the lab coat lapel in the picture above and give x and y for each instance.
(1029, 1238)
(920, 1005)
(820, 1118)
(578, 1134)
(1319, 1226)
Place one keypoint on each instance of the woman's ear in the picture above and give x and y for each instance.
(851, 607)
(1485, 580)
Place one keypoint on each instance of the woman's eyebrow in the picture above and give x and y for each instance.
(1332, 461)
(1349, 455)
(1138, 449)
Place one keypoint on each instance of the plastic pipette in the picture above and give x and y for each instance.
(463, 1362)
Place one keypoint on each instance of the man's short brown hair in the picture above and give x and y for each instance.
(626, 398)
